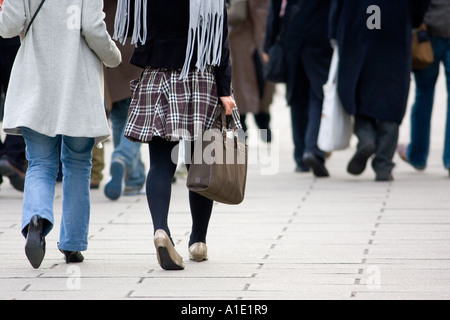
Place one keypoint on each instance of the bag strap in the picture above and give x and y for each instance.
(334, 67)
(34, 16)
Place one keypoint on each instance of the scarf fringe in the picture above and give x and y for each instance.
(205, 30)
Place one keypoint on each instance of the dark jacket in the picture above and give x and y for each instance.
(168, 26)
(9, 42)
(117, 80)
(306, 34)
(438, 18)
(375, 64)
(309, 25)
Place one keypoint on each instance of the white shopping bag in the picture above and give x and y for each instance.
(336, 126)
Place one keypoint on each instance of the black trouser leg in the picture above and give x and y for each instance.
(244, 125)
(366, 130)
(384, 135)
(387, 139)
(262, 119)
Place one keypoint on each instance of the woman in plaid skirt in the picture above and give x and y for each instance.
(184, 50)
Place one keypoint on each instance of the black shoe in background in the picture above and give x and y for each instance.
(316, 164)
(358, 163)
(16, 177)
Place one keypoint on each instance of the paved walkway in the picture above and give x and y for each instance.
(294, 237)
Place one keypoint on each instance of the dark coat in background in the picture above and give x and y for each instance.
(117, 80)
(375, 64)
(307, 31)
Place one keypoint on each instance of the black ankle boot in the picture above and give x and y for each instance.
(35, 245)
(72, 256)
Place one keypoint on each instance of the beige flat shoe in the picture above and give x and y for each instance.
(198, 252)
(168, 257)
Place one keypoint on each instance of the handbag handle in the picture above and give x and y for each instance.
(222, 120)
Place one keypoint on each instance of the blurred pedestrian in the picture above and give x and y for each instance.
(55, 100)
(176, 99)
(303, 27)
(12, 150)
(98, 165)
(374, 40)
(127, 171)
(252, 93)
(416, 152)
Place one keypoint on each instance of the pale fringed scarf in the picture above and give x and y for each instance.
(206, 23)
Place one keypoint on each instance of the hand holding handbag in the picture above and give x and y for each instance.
(422, 50)
(219, 165)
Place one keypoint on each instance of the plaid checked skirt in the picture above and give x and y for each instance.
(165, 106)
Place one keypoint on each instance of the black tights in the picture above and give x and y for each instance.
(159, 190)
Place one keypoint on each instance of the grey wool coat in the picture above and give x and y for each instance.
(57, 85)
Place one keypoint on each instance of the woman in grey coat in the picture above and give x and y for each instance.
(55, 100)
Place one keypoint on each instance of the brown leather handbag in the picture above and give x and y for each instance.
(422, 51)
(218, 170)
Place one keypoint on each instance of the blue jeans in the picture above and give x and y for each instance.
(418, 149)
(127, 151)
(43, 165)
